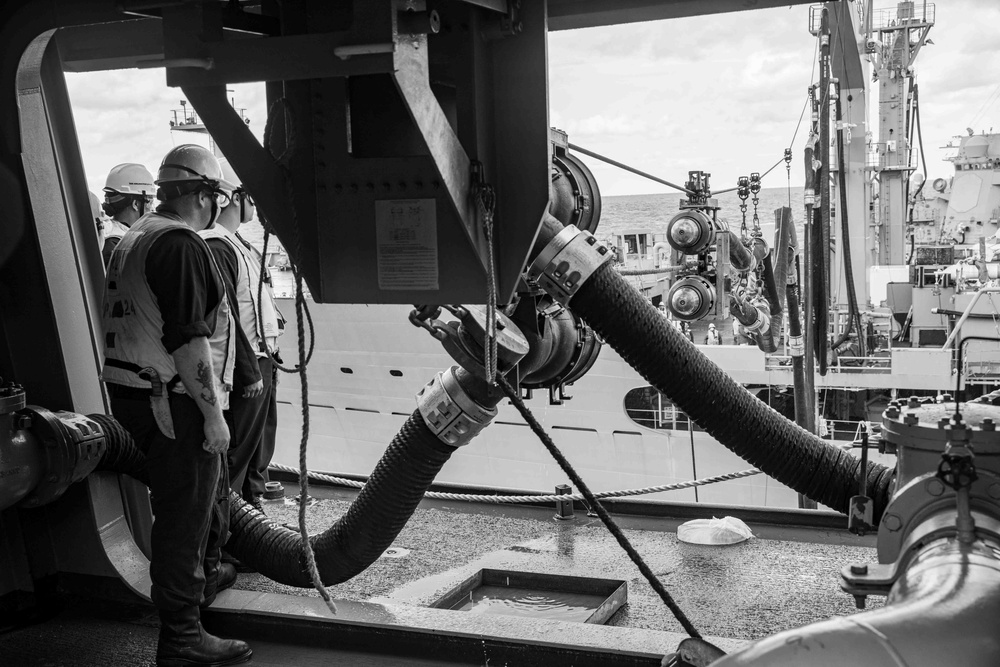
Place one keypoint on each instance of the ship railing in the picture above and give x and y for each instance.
(666, 418)
(845, 364)
(904, 15)
(845, 432)
(848, 431)
(981, 372)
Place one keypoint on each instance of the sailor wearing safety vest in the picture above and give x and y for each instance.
(128, 194)
(253, 414)
(713, 337)
(169, 359)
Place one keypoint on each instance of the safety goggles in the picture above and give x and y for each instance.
(222, 199)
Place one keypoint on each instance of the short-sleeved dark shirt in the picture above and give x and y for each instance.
(186, 284)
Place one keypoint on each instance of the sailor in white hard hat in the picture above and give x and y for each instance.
(168, 367)
(128, 195)
(713, 337)
(253, 409)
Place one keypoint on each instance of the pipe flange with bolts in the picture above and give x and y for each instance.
(567, 262)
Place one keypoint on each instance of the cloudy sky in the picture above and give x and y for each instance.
(721, 93)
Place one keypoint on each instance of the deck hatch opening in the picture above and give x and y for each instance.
(537, 595)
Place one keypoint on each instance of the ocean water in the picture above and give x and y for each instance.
(652, 213)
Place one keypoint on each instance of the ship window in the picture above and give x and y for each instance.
(347, 370)
(648, 407)
(396, 374)
(631, 244)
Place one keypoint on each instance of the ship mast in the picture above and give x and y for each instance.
(896, 37)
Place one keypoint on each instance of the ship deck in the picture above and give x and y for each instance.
(785, 577)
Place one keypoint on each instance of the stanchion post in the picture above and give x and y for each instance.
(564, 508)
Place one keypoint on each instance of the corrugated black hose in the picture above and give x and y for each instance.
(854, 314)
(726, 410)
(121, 455)
(353, 542)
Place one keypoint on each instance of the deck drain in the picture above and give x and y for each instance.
(395, 552)
(537, 595)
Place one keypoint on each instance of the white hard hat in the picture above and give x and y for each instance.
(189, 163)
(711, 326)
(130, 178)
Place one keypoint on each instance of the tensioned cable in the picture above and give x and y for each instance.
(620, 165)
(549, 498)
(987, 105)
(802, 114)
(595, 504)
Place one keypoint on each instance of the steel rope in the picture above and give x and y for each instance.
(301, 313)
(501, 500)
(595, 504)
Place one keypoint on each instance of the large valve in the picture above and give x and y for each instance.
(938, 550)
(690, 232)
(691, 298)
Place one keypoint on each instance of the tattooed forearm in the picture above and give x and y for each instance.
(205, 379)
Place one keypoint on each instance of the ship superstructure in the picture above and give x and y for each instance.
(398, 133)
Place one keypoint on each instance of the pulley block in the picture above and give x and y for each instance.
(690, 232)
(691, 298)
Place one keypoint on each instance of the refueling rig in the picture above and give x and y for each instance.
(444, 108)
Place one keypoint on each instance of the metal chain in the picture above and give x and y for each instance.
(755, 190)
(743, 192)
(788, 169)
(486, 196)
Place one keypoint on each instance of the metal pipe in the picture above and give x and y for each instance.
(943, 610)
(966, 313)
(821, 237)
(808, 389)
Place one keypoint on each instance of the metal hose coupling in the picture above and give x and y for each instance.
(450, 412)
(566, 263)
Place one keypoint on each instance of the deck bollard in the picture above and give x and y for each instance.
(564, 508)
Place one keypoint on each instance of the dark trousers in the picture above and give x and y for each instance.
(190, 501)
(257, 476)
(248, 418)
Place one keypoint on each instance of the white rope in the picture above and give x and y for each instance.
(478, 498)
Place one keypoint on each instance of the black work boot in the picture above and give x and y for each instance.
(222, 577)
(183, 642)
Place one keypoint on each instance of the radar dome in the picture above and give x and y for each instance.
(976, 146)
